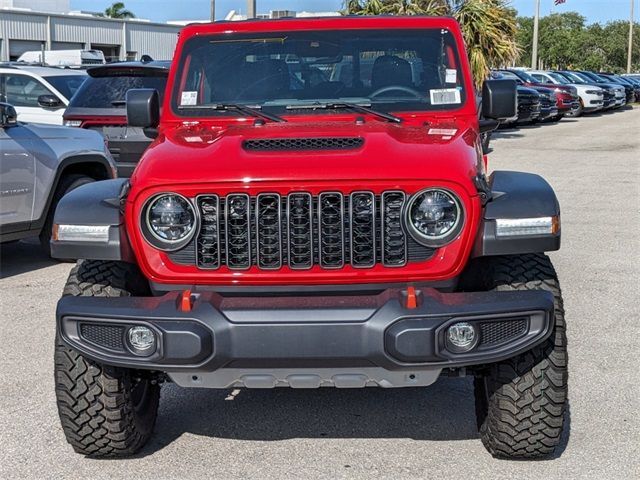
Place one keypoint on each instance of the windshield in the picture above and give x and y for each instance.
(67, 85)
(393, 70)
(573, 77)
(110, 92)
(557, 77)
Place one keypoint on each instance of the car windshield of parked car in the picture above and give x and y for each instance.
(67, 85)
(573, 78)
(558, 78)
(110, 92)
(310, 71)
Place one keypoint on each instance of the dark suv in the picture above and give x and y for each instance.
(99, 104)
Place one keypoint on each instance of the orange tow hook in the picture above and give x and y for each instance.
(185, 301)
(412, 300)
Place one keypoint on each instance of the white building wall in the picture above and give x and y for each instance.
(155, 39)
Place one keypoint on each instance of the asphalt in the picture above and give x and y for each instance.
(594, 165)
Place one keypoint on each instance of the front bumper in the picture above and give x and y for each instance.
(305, 341)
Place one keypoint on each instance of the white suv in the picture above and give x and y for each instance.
(39, 94)
(591, 97)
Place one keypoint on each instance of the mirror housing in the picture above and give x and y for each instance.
(49, 101)
(143, 107)
(499, 99)
(8, 115)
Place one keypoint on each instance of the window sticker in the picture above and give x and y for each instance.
(451, 75)
(444, 96)
(189, 98)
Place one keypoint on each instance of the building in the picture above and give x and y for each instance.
(233, 15)
(22, 29)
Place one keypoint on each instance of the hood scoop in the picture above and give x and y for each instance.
(302, 144)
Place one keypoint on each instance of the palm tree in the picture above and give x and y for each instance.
(117, 10)
(488, 26)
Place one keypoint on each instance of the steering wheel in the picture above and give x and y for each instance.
(398, 88)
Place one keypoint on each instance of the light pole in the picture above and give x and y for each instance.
(213, 10)
(630, 39)
(534, 49)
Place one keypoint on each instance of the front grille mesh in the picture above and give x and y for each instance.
(301, 230)
(106, 336)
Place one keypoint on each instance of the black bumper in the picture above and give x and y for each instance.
(377, 330)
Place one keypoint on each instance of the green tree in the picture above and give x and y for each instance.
(117, 10)
(488, 26)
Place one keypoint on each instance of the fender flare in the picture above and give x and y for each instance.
(94, 204)
(517, 195)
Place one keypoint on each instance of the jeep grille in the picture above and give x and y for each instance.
(301, 230)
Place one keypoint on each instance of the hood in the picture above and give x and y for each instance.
(199, 152)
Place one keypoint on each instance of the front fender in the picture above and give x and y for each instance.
(517, 195)
(93, 205)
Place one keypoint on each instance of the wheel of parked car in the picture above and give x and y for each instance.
(67, 183)
(105, 411)
(521, 401)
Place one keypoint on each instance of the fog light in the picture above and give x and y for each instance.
(461, 337)
(141, 339)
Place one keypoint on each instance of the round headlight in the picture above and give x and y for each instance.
(169, 221)
(434, 217)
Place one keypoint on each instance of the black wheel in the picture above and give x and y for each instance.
(105, 411)
(67, 183)
(521, 402)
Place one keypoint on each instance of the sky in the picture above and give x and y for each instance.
(163, 10)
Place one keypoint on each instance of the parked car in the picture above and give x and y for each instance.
(632, 90)
(39, 94)
(608, 91)
(528, 109)
(272, 236)
(567, 99)
(620, 92)
(39, 164)
(591, 98)
(100, 105)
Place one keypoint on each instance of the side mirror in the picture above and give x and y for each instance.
(143, 107)
(49, 101)
(8, 115)
(499, 99)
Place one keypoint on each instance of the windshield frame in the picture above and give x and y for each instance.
(172, 110)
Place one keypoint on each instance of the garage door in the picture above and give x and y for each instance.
(66, 46)
(18, 47)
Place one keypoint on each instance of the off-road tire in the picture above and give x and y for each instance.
(521, 402)
(67, 183)
(105, 411)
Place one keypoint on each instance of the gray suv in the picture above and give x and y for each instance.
(38, 165)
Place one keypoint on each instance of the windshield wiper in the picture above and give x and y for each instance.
(353, 106)
(224, 107)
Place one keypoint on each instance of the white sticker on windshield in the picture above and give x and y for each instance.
(189, 98)
(444, 96)
(451, 75)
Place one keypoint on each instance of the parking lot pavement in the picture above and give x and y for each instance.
(594, 165)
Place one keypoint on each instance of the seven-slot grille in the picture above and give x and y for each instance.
(301, 230)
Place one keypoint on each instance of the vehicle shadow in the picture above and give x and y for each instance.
(21, 257)
(443, 412)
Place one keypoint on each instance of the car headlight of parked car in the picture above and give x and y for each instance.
(168, 221)
(434, 217)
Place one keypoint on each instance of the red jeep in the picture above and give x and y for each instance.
(314, 211)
